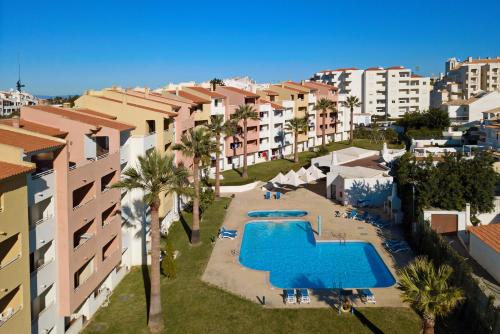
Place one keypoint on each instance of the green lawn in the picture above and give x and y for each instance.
(267, 170)
(192, 306)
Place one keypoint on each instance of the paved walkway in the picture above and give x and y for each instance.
(225, 271)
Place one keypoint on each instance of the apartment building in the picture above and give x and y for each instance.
(473, 75)
(11, 101)
(389, 92)
(153, 118)
(15, 305)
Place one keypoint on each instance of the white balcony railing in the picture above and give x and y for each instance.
(9, 313)
(12, 260)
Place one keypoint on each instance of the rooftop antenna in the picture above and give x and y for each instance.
(19, 85)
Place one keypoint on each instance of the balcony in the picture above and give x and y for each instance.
(46, 319)
(42, 232)
(124, 154)
(43, 277)
(41, 186)
(10, 251)
(149, 141)
(75, 326)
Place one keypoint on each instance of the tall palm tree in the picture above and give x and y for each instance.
(216, 82)
(196, 143)
(296, 125)
(155, 175)
(232, 129)
(216, 126)
(244, 113)
(352, 102)
(428, 290)
(324, 105)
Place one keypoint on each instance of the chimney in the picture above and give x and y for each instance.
(15, 121)
(146, 92)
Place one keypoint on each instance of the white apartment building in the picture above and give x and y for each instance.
(11, 101)
(474, 110)
(474, 75)
(390, 92)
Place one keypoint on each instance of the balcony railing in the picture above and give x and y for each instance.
(14, 259)
(9, 313)
(41, 174)
(83, 239)
(82, 204)
(40, 221)
(40, 267)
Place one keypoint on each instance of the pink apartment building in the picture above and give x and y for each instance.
(89, 245)
(330, 92)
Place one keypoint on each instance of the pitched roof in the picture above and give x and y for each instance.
(208, 92)
(489, 234)
(289, 88)
(95, 113)
(137, 105)
(141, 95)
(275, 105)
(35, 127)
(484, 61)
(8, 169)
(193, 98)
(299, 87)
(375, 69)
(319, 84)
(395, 68)
(461, 102)
(347, 69)
(27, 142)
(240, 91)
(84, 118)
(269, 92)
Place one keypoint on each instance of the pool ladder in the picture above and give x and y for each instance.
(341, 236)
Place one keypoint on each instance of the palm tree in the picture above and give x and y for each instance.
(216, 126)
(352, 102)
(155, 175)
(428, 290)
(195, 143)
(244, 113)
(296, 125)
(216, 82)
(323, 105)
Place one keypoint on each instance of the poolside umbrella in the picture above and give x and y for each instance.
(315, 172)
(305, 176)
(293, 179)
(280, 178)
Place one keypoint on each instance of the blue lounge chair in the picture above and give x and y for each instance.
(223, 229)
(352, 214)
(277, 195)
(290, 297)
(225, 235)
(304, 296)
(397, 248)
(267, 195)
(367, 296)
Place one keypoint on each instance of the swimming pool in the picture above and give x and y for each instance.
(276, 213)
(295, 260)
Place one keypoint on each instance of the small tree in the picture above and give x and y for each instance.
(352, 102)
(196, 143)
(156, 175)
(428, 290)
(216, 82)
(296, 126)
(244, 113)
(324, 105)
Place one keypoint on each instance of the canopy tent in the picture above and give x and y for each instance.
(280, 178)
(315, 172)
(305, 176)
(293, 179)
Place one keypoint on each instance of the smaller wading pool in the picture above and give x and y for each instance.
(276, 213)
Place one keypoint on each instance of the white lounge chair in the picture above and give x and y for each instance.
(367, 296)
(304, 296)
(290, 297)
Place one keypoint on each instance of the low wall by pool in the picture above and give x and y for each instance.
(276, 213)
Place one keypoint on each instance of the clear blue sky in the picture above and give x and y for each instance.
(69, 46)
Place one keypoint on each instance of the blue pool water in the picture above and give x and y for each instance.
(276, 213)
(295, 260)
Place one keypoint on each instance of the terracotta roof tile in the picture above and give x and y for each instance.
(8, 169)
(240, 91)
(375, 69)
(484, 61)
(84, 118)
(489, 234)
(319, 84)
(95, 113)
(141, 95)
(208, 92)
(395, 68)
(269, 92)
(27, 142)
(193, 98)
(276, 106)
(300, 87)
(289, 88)
(369, 162)
(137, 105)
(35, 127)
(416, 76)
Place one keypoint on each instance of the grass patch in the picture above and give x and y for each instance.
(192, 306)
(265, 171)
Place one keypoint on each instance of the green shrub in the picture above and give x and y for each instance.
(424, 133)
(168, 267)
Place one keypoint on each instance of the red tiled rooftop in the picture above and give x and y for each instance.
(138, 105)
(369, 162)
(416, 76)
(483, 60)
(375, 69)
(395, 68)
(141, 95)
(489, 234)
(298, 86)
(269, 92)
(191, 97)
(240, 91)
(289, 88)
(79, 117)
(319, 84)
(27, 142)
(95, 113)
(273, 104)
(208, 92)
(8, 169)
(35, 127)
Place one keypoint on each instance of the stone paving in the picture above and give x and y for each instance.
(225, 271)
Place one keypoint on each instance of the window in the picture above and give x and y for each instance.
(82, 274)
(10, 250)
(83, 234)
(272, 98)
(106, 181)
(166, 123)
(216, 103)
(110, 248)
(108, 215)
(150, 126)
(83, 195)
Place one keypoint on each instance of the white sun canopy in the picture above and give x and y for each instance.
(315, 172)
(293, 179)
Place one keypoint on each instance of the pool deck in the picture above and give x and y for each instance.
(225, 271)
